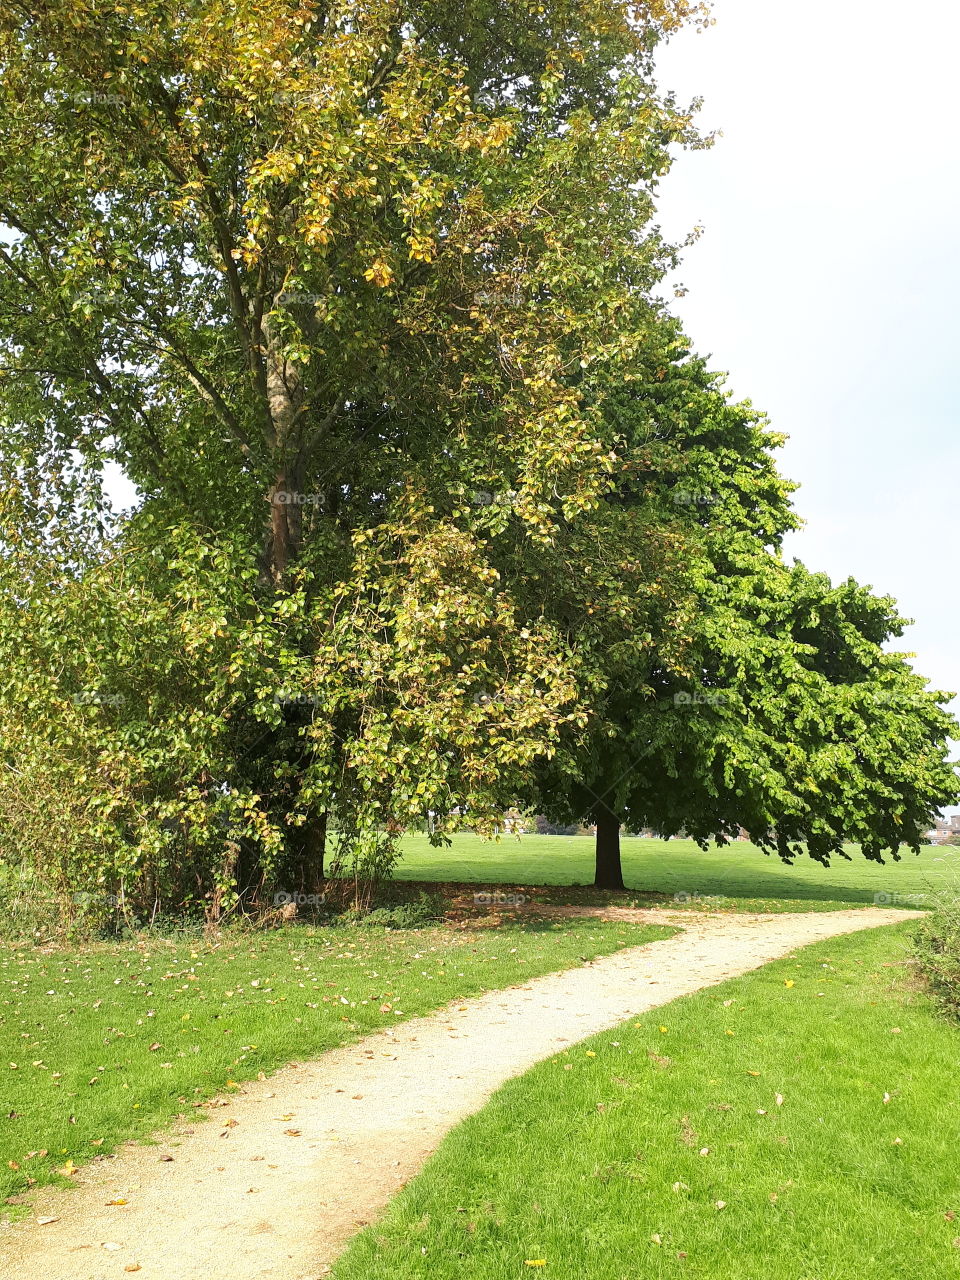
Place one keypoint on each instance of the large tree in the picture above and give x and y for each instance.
(339, 287)
(784, 711)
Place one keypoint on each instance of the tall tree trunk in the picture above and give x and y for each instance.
(609, 873)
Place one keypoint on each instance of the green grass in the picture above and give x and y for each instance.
(613, 1166)
(108, 1042)
(737, 877)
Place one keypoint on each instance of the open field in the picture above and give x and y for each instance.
(106, 1042)
(799, 1122)
(656, 871)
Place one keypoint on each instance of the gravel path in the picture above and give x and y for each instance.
(285, 1172)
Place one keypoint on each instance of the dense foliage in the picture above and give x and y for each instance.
(361, 297)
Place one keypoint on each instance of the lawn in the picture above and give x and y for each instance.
(737, 877)
(107, 1042)
(801, 1122)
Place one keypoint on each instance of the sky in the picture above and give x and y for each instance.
(826, 281)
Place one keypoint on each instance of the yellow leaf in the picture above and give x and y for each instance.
(535, 1262)
(788, 982)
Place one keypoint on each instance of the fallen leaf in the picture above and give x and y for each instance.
(721, 1204)
(110, 1202)
(788, 982)
(42, 1222)
(779, 1099)
(535, 1262)
(292, 1133)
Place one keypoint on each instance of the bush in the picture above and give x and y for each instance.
(937, 955)
(427, 909)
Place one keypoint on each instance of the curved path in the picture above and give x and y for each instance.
(277, 1182)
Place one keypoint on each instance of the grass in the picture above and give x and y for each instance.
(801, 1122)
(103, 1043)
(736, 877)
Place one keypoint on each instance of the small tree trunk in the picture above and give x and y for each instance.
(609, 873)
(308, 849)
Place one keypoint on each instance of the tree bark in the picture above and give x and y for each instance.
(609, 873)
(308, 849)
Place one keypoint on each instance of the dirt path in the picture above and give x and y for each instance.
(277, 1182)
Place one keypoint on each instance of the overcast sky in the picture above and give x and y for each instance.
(827, 280)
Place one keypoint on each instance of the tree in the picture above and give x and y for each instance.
(335, 285)
(785, 713)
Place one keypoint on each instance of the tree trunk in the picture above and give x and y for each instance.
(309, 848)
(609, 874)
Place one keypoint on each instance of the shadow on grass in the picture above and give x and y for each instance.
(459, 900)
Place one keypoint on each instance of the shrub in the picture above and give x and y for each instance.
(937, 954)
(426, 909)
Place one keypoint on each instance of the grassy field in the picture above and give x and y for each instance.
(801, 1123)
(736, 877)
(103, 1043)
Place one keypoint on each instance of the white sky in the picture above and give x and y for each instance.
(827, 281)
